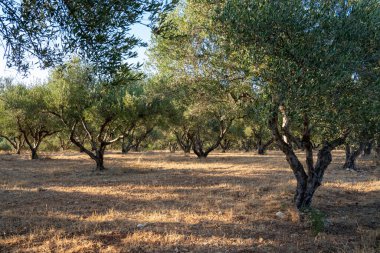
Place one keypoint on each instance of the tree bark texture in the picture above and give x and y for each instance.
(351, 156)
(307, 180)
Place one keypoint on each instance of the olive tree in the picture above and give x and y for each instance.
(186, 55)
(9, 130)
(92, 110)
(25, 107)
(305, 54)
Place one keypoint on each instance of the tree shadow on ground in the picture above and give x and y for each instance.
(188, 209)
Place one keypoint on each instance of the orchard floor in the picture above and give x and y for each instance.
(163, 202)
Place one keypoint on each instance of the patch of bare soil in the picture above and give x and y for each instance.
(163, 202)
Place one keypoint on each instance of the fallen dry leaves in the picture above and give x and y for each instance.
(225, 203)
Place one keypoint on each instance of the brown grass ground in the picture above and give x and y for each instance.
(226, 203)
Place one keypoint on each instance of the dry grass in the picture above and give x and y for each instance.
(226, 203)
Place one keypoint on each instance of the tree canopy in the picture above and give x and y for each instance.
(97, 31)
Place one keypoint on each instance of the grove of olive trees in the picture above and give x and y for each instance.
(301, 77)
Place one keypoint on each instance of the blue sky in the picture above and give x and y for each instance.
(37, 75)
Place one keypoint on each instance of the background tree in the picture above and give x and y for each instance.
(27, 107)
(152, 111)
(89, 107)
(9, 130)
(364, 122)
(187, 57)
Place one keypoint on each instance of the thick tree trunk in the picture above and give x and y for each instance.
(307, 183)
(173, 147)
(197, 142)
(247, 145)
(225, 145)
(315, 176)
(136, 147)
(99, 157)
(300, 176)
(33, 146)
(184, 141)
(347, 149)
(198, 148)
(262, 147)
(200, 154)
(100, 163)
(187, 149)
(17, 142)
(367, 149)
(126, 146)
(19, 145)
(350, 163)
(351, 156)
(139, 139)
(34, 153)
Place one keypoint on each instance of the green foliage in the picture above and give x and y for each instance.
(98, 31)
(305, 53)
(189, 68)
(24, 112)
(317, 220)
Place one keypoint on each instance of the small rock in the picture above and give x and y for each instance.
(41, 189)
(261, 240)
(280, 215)
(142, 225)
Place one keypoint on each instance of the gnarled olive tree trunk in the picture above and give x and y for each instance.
(367, 148)
(126, 145)
(184, 141)
(138, 139)
(351, 155)
(247, 144)
(198, 144)
(225, 144)
(262, 147)
(172, 146)
(307, 180)
(131, 140)
(259, 142)
(96, 153)
(98, 143)
(33, 137)
(17, 142)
